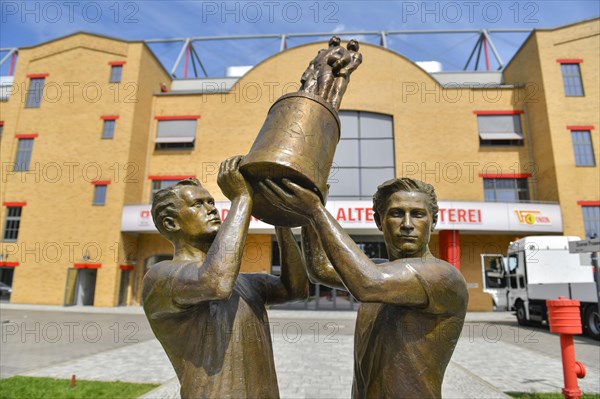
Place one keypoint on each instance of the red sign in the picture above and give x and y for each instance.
(354, 214)
(458, 215)
(225, 211)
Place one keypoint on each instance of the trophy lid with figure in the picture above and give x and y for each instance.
(299, 137)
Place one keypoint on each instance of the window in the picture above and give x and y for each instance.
(1, 129)
(582, 147)
(175, 134)
(108, 130)
(115, 73)
(23, 159)
(34, 94)
(11, 225)
(100, 194)
(572, 83)
(499, 129)
(506, 190)
(159, 185)
(591, 220)
(364, 156)
(374, 250)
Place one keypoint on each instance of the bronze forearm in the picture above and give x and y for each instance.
(364, 279)
(293, 272)
(319, 268)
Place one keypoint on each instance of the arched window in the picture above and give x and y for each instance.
(364, 157)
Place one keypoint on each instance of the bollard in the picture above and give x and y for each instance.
(564, 318)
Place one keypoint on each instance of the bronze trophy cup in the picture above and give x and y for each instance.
(297, 141)
(301, 132)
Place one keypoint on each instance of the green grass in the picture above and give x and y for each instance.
(537, 395)
(51, 388)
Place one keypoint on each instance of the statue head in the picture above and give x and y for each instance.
(185, 211)
(352, 45)
(334, 41)
(406, 211)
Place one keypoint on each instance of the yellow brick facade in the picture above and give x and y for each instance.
(435, 140)
(551, 112)
(60, 226)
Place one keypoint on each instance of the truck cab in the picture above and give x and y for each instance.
(504, 278)
(538, 268)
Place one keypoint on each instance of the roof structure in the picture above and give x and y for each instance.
(205, 56)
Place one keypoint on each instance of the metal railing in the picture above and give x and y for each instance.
(188, 51)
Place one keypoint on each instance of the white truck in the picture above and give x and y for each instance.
(538, 268)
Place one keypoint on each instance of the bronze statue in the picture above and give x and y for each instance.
(308, 81)
(318, 77)
(328, 66)
(328, 73)
(301, 132)
(211, 319)
(341, 81)
(412, 306)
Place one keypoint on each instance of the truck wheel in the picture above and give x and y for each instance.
(591, 322)
(521, 315)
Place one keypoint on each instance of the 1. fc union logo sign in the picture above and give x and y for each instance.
(532, 217)
(145, 218)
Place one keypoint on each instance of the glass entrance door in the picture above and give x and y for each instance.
(124, 287)
(70, 287)
(6, 279)
(80, 287)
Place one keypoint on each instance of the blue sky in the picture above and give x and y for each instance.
(32, 22)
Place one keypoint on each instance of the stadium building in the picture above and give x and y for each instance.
(91, 126)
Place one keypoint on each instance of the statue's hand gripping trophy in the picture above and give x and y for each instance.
(301, 132)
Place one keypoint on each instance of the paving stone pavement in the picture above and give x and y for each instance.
(326, 372)
(143, 362)
(311, 365)
(308, 366)
(517, 370)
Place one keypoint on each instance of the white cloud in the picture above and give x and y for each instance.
(339, 28)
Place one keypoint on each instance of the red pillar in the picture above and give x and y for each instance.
(450, 247)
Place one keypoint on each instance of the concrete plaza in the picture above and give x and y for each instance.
(313, 352)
